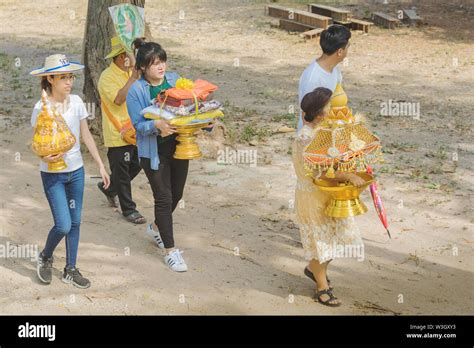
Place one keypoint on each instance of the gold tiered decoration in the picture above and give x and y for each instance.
(342, 143)
(52, 135)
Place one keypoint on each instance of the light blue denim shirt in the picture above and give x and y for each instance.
(138, 98)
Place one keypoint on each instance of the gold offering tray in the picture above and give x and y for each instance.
(345, 200)
(187, 148)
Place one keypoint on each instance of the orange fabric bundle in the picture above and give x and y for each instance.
(201, 90)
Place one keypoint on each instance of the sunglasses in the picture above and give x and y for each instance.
(70, 77)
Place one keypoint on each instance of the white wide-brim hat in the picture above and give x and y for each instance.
(57, 64)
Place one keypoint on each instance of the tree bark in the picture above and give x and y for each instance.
(99, 31)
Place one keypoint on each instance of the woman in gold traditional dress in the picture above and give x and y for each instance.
(320, 234)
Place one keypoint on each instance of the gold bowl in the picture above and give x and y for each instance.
(344, 200)
(187, 148)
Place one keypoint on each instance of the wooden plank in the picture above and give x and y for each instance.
(294, 26)
(298, 16)
(411, 14)
(347, 24)
(411, 17)
(278, 11)
(385, 20)
(385, 16)
(330, 8)
(335, 13)
(360, 21)
(359, 24)
(312, 33)
(312, 19)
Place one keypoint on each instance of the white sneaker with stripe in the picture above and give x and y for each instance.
(155, 235)
(175, 261)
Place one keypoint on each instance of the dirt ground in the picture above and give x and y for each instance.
(426, 182)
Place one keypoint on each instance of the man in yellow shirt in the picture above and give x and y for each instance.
(114, 83)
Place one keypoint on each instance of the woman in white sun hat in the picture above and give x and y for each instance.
(64, 189)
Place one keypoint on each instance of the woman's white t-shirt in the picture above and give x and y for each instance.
(74, 114)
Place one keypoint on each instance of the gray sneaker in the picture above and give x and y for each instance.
(44, 268)
(74, 277)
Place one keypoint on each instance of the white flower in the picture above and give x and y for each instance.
(356, 144)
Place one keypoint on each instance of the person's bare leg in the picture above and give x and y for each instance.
(319, 272)
(326, 264)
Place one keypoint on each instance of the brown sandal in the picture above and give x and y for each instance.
(328, 301)
(135, 218)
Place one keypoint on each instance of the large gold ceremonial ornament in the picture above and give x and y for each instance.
(342, 143)
(187, 148)
(52, 135)
(344, 200)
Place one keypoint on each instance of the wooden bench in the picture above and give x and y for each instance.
(299, 16)
(291, 25)
(312, 33)
(385, 20)
(411, 17)
(359, 24)
(278, 11)
(338, 15)
(312, 19)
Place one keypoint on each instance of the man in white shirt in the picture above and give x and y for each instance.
(323, 72)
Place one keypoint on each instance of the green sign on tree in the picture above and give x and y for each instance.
(129, 23)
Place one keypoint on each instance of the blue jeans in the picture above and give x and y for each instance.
(64, 192)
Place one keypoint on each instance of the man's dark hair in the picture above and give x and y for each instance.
(333, 38)
(314, 102)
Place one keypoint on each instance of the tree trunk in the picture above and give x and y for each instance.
(99, 31)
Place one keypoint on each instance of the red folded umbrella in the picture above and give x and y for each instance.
(378, 203)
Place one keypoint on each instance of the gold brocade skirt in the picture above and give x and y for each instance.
(323, 237)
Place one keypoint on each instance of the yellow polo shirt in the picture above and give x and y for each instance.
(111, 81)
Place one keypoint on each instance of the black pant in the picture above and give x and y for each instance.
(123, 161)
(167, 184)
